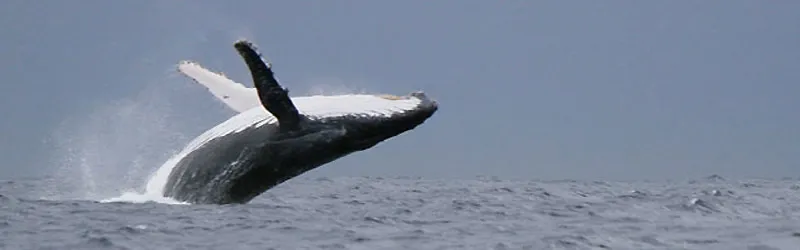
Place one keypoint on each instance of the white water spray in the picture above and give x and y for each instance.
(114, 148)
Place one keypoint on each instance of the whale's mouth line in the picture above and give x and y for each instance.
(377, 129)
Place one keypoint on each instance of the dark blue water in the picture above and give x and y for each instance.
(409, 213)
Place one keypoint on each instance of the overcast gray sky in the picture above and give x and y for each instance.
(528, 89)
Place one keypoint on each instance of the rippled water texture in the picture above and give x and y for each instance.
(408, 213)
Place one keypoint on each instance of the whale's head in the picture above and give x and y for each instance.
(366, 120)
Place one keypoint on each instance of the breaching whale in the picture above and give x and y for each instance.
(283, 137)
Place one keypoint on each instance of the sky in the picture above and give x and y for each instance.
(532, 90)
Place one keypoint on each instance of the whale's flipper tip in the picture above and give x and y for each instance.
(247, 48)
(244, 42)
(274, 98)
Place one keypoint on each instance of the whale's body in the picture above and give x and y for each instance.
(274, 138)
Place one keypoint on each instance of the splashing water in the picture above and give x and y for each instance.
(112, 149)
(154, 188)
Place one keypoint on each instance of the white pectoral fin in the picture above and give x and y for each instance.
(235, 95)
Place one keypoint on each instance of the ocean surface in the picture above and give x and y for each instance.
(413, 213)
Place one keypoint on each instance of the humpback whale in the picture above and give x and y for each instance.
(281, 137)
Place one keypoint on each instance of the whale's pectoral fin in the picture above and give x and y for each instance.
(235, 95)
(273, 97)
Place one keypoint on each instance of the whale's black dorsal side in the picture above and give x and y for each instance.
(273, 97)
